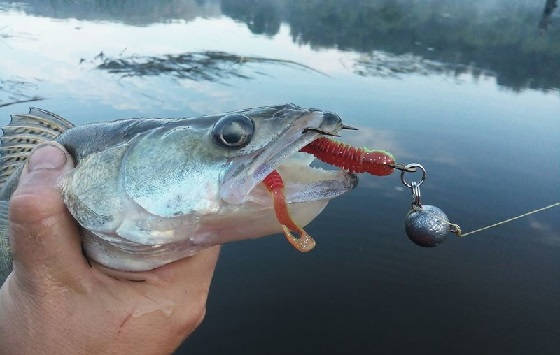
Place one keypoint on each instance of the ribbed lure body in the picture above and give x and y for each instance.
(355, 160)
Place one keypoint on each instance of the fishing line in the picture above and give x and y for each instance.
(460, 234)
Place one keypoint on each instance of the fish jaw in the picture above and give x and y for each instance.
(247, 172)
(307, 192)
(249, 207)
(243, 223)
(304, 183)
(143, 241)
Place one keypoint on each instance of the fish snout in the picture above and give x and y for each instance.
(332, 123)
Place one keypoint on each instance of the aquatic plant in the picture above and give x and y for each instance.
(208, 66)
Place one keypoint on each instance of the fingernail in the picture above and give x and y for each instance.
(46, 157)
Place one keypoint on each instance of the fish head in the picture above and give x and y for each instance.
(185, 184)
(213, 163)
(279, 133)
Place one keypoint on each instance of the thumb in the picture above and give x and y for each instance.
(44, 238)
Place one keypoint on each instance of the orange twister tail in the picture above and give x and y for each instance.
(275, 185)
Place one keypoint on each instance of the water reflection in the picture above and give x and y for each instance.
(498, 36)
(140, 13)
(16, 92)
(261, 17)
(207, 66)
(549, 8)
(387, 65)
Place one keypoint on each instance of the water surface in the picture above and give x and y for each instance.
(469, 89)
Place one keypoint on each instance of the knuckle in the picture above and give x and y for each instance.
(200, 316)
(190, 316)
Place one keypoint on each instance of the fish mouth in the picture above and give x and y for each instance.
(302, 182)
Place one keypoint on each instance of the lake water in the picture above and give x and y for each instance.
(470, 89)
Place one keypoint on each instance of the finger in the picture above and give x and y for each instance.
(44, 237)
(170, 302)
(189, 280)
(186, 283)
(180, 287)
(194, 269)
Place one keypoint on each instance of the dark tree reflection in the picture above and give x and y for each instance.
(134, 12)
(498, 37)
(261, 17)
(549, 8)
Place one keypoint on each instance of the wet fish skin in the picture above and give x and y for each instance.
(150, 191)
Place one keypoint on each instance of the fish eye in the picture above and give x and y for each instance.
(234, 131)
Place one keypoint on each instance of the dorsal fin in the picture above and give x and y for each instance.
(51, 117)
(25, 132)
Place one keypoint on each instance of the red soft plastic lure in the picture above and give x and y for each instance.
(355, 160)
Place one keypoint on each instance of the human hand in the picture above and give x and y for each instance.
(54, 302)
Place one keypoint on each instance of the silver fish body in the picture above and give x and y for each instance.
(151, 191)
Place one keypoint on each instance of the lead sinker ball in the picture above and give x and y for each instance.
(426, 226)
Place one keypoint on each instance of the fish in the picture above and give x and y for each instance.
(150, 191)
